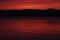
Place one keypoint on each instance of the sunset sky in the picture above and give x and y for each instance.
(28, 4)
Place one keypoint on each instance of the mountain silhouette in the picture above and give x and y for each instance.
(30, 12)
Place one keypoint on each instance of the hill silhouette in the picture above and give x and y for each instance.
(30, 12)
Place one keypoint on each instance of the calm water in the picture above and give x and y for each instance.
(29, 28)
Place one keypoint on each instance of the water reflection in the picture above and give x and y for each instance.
(30, 25)
(37, 28)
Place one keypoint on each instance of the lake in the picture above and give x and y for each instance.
(29, 28)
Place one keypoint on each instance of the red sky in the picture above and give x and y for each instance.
(28, 4)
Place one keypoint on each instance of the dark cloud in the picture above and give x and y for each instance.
(58, 0)
(11, 0)
(4, 0)
(30, 0)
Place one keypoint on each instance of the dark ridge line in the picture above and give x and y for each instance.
(31, 12)
(36, 9)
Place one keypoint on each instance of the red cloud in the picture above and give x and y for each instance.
(30, 4)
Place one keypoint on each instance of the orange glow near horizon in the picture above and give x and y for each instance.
(19, 7)
(29, 4)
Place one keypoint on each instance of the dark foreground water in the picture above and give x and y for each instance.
(29, 28)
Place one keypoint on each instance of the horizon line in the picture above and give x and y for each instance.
(32, 9)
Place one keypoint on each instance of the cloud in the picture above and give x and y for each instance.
(16, 4)
(5, 0)
(30, 1)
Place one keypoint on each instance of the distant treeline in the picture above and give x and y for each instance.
(30, 12)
